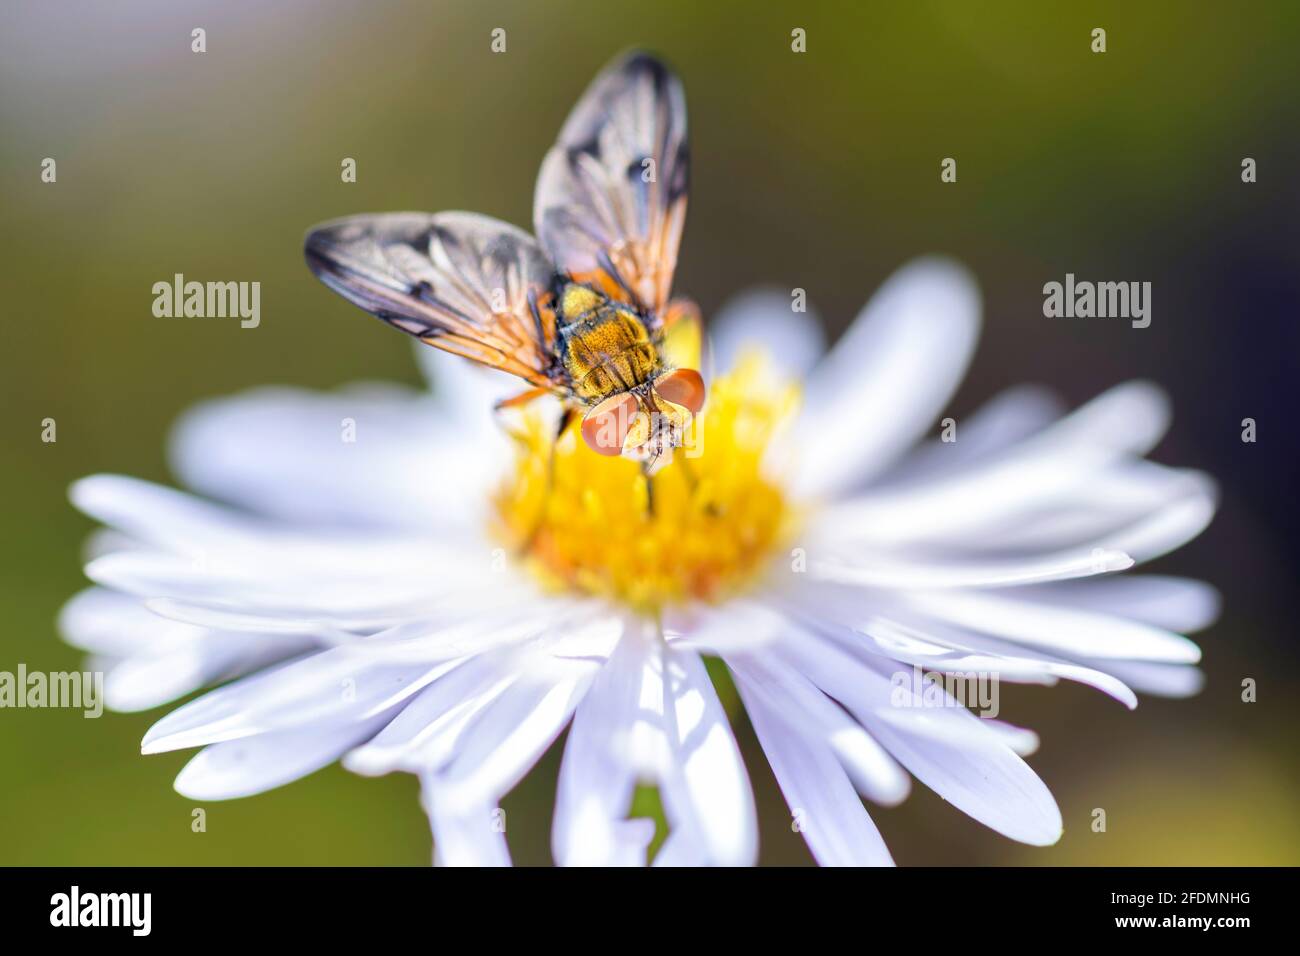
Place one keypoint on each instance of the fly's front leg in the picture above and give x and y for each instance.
(566, 418)
(516, 401)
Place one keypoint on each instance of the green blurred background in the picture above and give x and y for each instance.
(818, 170)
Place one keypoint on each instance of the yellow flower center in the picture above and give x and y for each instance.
(715, 519)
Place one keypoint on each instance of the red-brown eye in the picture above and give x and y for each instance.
(606, 426)
(684, 387)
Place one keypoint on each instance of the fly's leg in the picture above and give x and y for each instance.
(649, 489)
(566, 418)
(516, 401)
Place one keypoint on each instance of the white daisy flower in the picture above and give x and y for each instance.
(371, 593)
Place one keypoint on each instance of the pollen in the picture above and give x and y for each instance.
(702, 529)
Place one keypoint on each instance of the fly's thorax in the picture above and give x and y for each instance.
(606, 347)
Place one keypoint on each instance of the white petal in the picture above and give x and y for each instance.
(157, 514)
(967, 653)
(422, 736)
(324, 631)
(670, 733)
(364, 454)
(150, 660)
(611, 746)
(681, 848)
(829, 813)
(507, 738)
(1176, 604)
(423, 642)
(143, 683)
(1003, 422)
(810, 713)
(1020, 739)
(150, 680)
(946, 747)
(1072, 632)
(1172, 526)
(466, 835)
(210, 551)
(706, 791)
(621, 737)
(1161, 680)
(272, 581)
(739, 625)
(1112, 502)
(103, 541)
(989, 572)
(503, 741)
(335, 686)
(989, 782)
(241, 768)
(764, 319)
(889, 376)
(118, 625)
(1126, 420)
(887, 628)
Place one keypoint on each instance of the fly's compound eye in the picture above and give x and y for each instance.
(605, 427)
(684, 387)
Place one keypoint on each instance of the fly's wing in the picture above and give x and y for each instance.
(611, 194)
(456, 280)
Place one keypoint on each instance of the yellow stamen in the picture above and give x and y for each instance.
(717, 517)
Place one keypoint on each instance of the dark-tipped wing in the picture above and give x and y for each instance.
(456, 280)
(611, 194)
